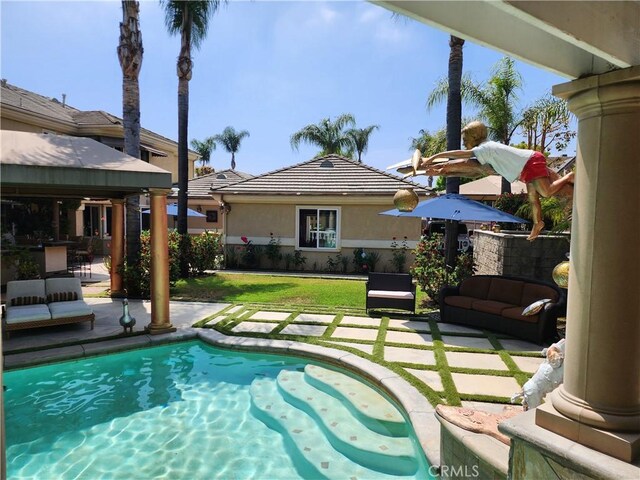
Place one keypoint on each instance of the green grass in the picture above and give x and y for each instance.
(273, 289)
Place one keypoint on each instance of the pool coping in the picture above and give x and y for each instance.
(420, 412)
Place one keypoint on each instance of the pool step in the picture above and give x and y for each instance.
(375, 411)
(393, 455)
(315, 456)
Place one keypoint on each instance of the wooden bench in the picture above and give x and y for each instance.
(391, 290)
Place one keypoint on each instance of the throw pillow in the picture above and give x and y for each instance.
(32, 300)
(535, 307)
(62, 297)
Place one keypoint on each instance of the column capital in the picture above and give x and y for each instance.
(118, 201)
(156, 192)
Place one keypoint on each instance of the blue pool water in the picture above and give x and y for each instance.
(176, 411)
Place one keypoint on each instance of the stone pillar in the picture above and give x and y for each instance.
(160, 321)
(599, 403)
(117, 247)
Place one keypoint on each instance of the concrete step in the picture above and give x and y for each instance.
(371, 408)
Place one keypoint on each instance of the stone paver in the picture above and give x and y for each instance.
(374, 322)
(254, 327)
(429, 377)
(485, 385)
(412, 324)
(468, 342)
(311, 330)
(357, 333)
(519, 345)
(475, 360)
(409, 337)
(452, 328)
(235, 309)
(278, 316)
(409, 355)
(528, 364)
(486, 407)
(314, 317)
(368, 349)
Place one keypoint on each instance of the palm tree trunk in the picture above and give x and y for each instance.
(130, 52)
(454, 126)
(233, 161)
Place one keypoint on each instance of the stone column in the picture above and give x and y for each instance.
(160, 321)
(599, 403)
(117, 247)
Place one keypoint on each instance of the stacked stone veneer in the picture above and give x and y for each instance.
(510, 253)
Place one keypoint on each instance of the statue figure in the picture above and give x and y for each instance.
(483, 157)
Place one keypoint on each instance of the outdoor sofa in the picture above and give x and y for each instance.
(391, 290)
(497, 303)
(41, 303)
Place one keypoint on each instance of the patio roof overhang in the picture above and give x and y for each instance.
(572, 39)
(33, 164)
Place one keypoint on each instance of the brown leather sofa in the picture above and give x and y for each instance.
(494, 302)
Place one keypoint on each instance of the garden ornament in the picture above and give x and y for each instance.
(547, 378)
(126, 320)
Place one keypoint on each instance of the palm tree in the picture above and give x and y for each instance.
(360, 139)
(190, 19)
(330, 136)
(204, 148)
(230, 140)
(130, 56)
(429, 144)
(496, 100)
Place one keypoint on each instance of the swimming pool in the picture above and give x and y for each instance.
(193, 411)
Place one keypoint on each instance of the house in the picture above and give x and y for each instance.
(200, 199)
(320, 208)
(25, 111)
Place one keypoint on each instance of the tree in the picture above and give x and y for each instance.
(130, 53)
(204, 148)
(330, 136)
(496, 100)
(190, 19)
(231, 140)
(429, 144)
(360, 139)
(546, 123)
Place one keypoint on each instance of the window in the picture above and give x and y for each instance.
(318, 227)
(212, 216)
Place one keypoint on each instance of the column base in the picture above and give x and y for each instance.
(624, 446)
(152, 329)
(118, 294)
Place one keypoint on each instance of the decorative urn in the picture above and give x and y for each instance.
(126, 320)
(560, 274)
(405, 200)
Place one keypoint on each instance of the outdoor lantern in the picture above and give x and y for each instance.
(126, 320)
(405, 199)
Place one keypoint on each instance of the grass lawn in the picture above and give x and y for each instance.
(281, 290)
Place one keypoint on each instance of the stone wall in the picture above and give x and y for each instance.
(510, 253)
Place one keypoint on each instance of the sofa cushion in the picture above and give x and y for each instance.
(490, 306)
(515, 313)
(506, 291)
(61, 285)
(24, 288)
(390, 294)
(27, 313)
(476, 287)
(69, 309)
(459, 301)
(62, 297)
(27, 300)
(533, 292)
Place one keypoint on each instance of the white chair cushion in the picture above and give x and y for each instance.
(25, 288)
(61, 285)
(390, 294)
(27, 313)
(69, 309)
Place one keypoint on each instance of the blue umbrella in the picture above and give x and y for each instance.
(172, 209)
(453, 206)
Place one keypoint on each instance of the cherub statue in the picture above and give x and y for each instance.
(549, 375)
(483, 157)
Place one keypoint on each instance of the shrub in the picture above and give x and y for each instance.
(372, 258)
(250, 255)
(288, 260)
(359, 261)
(273, 251)
(21, 260)
(399, 254)
(299, 260)
(205, 252)
(429, 267)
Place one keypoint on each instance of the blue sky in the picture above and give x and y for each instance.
(267, 67)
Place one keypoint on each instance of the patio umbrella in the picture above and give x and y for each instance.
(172, 209)
(453, 206)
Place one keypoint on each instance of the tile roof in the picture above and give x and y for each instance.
(331, 174)
(201, 186)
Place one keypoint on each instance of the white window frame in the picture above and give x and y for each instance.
(338, 211)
